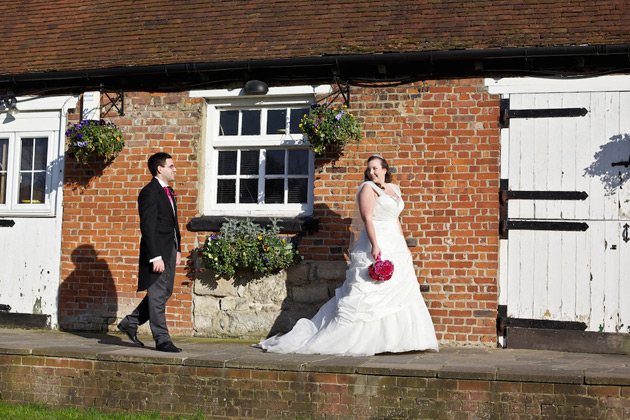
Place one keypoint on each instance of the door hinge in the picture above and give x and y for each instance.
(505, 224)
(507, 113)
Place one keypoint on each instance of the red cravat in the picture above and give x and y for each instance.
(168, 193)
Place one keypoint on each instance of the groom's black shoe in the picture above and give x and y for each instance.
(167, 346)
(132, 335)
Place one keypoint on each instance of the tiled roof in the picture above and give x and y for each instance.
(61, 35)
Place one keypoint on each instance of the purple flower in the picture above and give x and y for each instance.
(212, 238)
(339, 116)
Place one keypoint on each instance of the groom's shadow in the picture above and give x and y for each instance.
(88, 300)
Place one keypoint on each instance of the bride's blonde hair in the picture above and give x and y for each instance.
(384, 165)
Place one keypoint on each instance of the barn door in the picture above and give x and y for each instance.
(566, 208)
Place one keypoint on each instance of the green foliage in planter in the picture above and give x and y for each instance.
(329, 129)
(94, 138)
(243, 243)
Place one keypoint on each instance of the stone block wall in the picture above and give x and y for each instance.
(441, 138)
(244, 307)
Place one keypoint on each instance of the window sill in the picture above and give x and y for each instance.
(302, 225)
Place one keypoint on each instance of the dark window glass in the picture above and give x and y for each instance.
(251, 123)
(3, 188)
(248, 192)
(26, 183)
(298, 162)
(4, 160)
(39, 187)
(228, 123)
(27, 155)
(249, 162)
(226, 191)
(296, 119)
(298, 190)
(274, 162)
(276, 121)
(41, 150)
(274, 191)
(227, 162)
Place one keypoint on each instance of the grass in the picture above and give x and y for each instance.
(43, 412)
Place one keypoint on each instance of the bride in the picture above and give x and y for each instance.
(365, 316)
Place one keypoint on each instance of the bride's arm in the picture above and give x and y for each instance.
(367, 198)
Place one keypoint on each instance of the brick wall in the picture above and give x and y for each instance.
(101, 235)
(441, 137)
(231, 393)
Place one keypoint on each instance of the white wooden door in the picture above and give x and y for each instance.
(32, 145)
(559, 275)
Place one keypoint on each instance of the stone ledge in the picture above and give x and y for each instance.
(304, 225)
(451, 363)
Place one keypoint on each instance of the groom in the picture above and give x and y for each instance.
(160, 252)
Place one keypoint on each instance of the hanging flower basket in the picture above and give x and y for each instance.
(94, 138)
(330, 129)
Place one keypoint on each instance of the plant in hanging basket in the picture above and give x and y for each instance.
(94, 138)
(247, 245)
(330, 129)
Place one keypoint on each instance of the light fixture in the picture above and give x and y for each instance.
(256, 87)
(9, 102)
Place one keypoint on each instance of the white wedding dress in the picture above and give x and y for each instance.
(365, 316)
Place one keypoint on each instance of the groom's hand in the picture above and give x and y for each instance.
(158, 266)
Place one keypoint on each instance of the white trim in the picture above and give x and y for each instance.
(236, 98)
(285, 91)
(615, 83)
(37, 117)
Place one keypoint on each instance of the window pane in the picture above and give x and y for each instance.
(274, 191)
(297, 190)
(298, 162)
(25, 188)
(3, 188)
(248, 192)
(4, 157)
(226, 191)
(249, 162)
(39, 187)
(276, 121)
(274, 162)
(27, 155)
(228, 123)
(251, 123)
(296, 119)
(227, 162)
(41, 150)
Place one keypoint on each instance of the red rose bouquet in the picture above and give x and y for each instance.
(381, 270)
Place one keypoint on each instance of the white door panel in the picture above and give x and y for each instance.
(565, 275)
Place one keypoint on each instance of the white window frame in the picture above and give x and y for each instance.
(35, 118)
(276, 98)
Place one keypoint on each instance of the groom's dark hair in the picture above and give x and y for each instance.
(158, 159)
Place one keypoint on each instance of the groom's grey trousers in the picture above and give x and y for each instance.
(153, 307)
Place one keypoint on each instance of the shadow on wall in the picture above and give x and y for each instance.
(615, 151)
(79, 175)
(87, 297)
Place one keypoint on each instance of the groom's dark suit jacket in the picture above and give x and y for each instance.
(159, 228)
